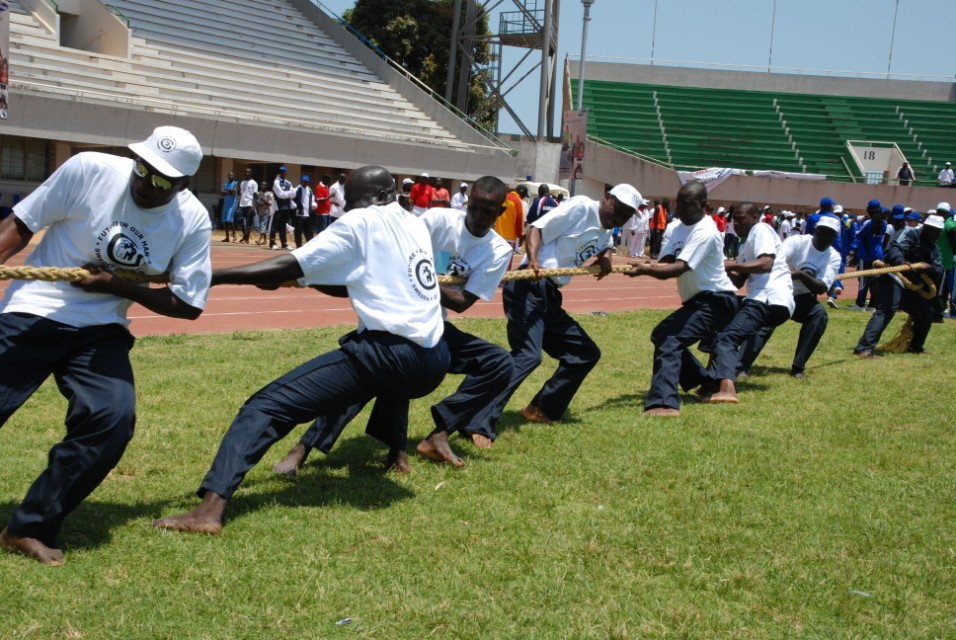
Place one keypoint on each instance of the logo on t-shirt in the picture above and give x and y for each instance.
(123, 245)
(586, 252)
(458, 267)
(809, 269)
(421, 274)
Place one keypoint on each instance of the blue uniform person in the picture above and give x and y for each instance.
(382, 255)
(909, 247)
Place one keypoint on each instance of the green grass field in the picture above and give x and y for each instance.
(821, 508)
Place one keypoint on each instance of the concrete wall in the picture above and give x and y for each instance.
(777, 82)
(92, 27)
(536, 159)
(42, 116)
(607, 166)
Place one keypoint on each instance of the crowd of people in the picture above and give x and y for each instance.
(384, 247)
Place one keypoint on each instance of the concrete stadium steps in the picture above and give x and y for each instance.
(215, 59)
(767, 130)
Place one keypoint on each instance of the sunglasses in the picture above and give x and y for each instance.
(159, 181)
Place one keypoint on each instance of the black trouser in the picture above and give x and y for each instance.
(657, 235)
(279, 221)
(321, 222)
(368, 364)
(749, 319)
(92, 371)
(536, 323)
(809, 313)
(302, 226)
(488, 370)
(697, 319)
(891, 297)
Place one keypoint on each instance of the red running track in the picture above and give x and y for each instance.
(237, 308)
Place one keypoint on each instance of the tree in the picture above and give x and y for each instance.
(417, 35)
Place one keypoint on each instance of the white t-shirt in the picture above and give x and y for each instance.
(459, 201)
(701, 246)
(570, 236)
(247, 193)
(384, 256)
(784, 230)
(90, 217)
(775, 287)
(337, 199)
(483, 261)
(799, 253)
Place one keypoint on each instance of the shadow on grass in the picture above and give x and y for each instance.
(91, 525)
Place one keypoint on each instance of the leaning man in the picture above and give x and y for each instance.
(106, 213)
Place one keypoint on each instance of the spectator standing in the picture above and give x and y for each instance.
(265, 204)
(229, 200)
(542, 204)
(337, 199)
(284, 193)
(323, 204)
(247, 201)
(302, 222)
(421, 195)
(459, 201)
(946, 179)
(440, 196)
(905, 174)
(946, 245)
(510, 224)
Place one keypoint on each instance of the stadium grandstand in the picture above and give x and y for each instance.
(826, 130)
(259, 82)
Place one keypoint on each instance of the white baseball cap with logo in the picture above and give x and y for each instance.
(172, 151)
(628, 195)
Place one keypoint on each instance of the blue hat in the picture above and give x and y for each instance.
(873, 204)
(915, 215)
(282, 169)
(898, 215)
(826, 203)
(304, 179)
(898, 208)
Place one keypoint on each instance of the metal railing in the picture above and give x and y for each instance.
(119, 13)
(499, 144)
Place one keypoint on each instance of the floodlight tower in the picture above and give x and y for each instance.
(532, 26)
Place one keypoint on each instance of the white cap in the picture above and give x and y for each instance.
(944, 206)
(934, 221)
(931, 212)
(829, 223)
(172, 151)
(859, 218)
(787, 214)
(408, 181)
(721, 210)
(628, 195)
(463, 185)
(907, 209)
(424, 175)
(949, 164)
(838, 208)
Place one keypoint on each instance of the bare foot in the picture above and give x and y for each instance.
(532, 413)
(480, 441)
(292, 462)
(661, 412)
(206, 518)
(397, 461)
(435, 447)
(725, 394)
(32, 548)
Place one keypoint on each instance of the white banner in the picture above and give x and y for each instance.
(574, 132)
(790, 176)
(710, 177)
(4, 56)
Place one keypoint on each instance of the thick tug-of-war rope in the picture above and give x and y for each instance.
(75, 274)
(70, 274)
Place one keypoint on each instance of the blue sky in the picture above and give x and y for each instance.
(840, 35)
